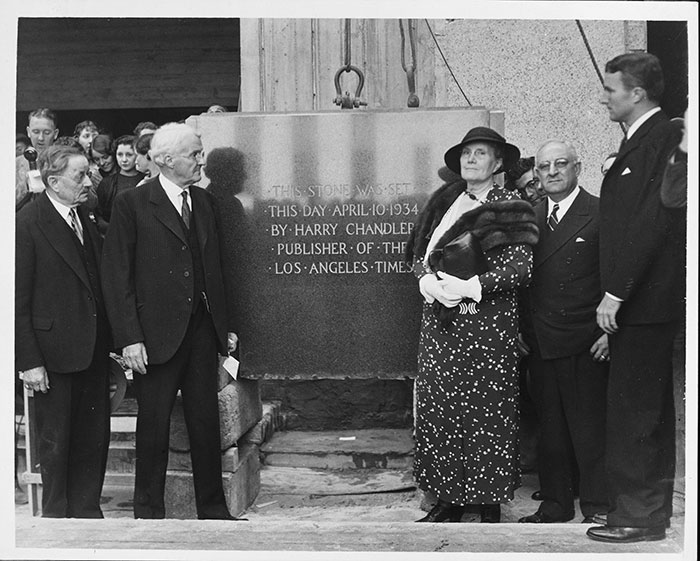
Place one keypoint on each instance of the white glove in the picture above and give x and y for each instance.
(464, 288)
(431, 290)
(427, 285)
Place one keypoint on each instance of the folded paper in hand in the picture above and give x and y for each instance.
(231, 366)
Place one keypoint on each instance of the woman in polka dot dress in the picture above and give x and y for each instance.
(467, 384)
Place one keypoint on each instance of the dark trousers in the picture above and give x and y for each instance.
(192, 370)
(641, 459)
(569, 394)
(72, 421)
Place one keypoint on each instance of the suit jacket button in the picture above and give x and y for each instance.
(189, 300)
(569, 260)
(184, 248)
(561, 286)
(187, 273)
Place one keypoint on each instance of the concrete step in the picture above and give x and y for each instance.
(349, 449)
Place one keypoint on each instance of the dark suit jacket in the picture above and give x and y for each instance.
(565, 289)
(147, 270)
(56, 310)
(641, 251)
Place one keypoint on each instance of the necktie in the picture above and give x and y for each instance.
(75, 224)
(622, 144)
(185, 210)
(552, 221)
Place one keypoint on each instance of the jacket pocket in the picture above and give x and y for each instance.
(42, 324)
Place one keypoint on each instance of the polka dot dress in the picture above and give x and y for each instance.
(467, 390)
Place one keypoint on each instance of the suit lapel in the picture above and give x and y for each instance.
(60, 237)
(92, 234)
(574, 220)
(164, 210)
(202, 213)
(635, 141)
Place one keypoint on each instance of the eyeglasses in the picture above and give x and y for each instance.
(532, 184)
(559, 164)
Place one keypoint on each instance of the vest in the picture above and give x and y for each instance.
(198, 285)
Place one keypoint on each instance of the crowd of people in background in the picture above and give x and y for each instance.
(591, 289)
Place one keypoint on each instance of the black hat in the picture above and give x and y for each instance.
(482, 134)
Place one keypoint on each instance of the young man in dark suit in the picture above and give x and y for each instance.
(165, 296)
(642, 277)
(569, 362)
(62, 337)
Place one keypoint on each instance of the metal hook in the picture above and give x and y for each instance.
(348, 101)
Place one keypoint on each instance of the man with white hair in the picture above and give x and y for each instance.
(569, 362)
(164, 290)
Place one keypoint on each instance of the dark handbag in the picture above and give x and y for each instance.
(463, 258)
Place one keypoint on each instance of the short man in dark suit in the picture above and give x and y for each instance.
(62, 338)
(642, 279)
(166, 299)
(569, 361)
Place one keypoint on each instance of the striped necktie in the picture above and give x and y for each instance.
(552, 221)
(75, 224)
(185, 210)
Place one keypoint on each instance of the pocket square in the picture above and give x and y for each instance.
(627, 170)
(578, 240)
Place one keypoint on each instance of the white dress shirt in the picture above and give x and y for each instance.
(64, 211)
(640, 121)
(564, 204)
(174, 193)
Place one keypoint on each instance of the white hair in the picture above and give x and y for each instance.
(569, 146)
(168, 139)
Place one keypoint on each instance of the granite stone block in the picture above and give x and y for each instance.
(241, 487)
(239, 409)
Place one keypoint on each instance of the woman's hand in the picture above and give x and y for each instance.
(464, 288)
(431, 290)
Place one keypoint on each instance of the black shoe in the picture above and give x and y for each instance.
(224, 517)
(624, 534)
(491, 513)
(541, 518)
(444, 512)
(537, 496)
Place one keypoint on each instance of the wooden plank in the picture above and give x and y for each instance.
(127, 62)
(261, 535)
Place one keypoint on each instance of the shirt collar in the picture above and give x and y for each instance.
(62, 209)
(564, 204)
(641, 120)
(174, 192)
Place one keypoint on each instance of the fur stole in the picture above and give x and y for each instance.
(496, 223)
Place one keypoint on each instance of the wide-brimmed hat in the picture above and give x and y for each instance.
(482, 134)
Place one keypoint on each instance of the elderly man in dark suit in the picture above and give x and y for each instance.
(568, 366)
(641, 255)
(62, 337)
(166, 298)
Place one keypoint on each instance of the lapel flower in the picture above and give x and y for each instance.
(91, 216)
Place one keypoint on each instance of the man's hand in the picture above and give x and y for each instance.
(600, 350)
(36, 379)
(523, 347)
(232, 342)
(136, 357)
(606, 312)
